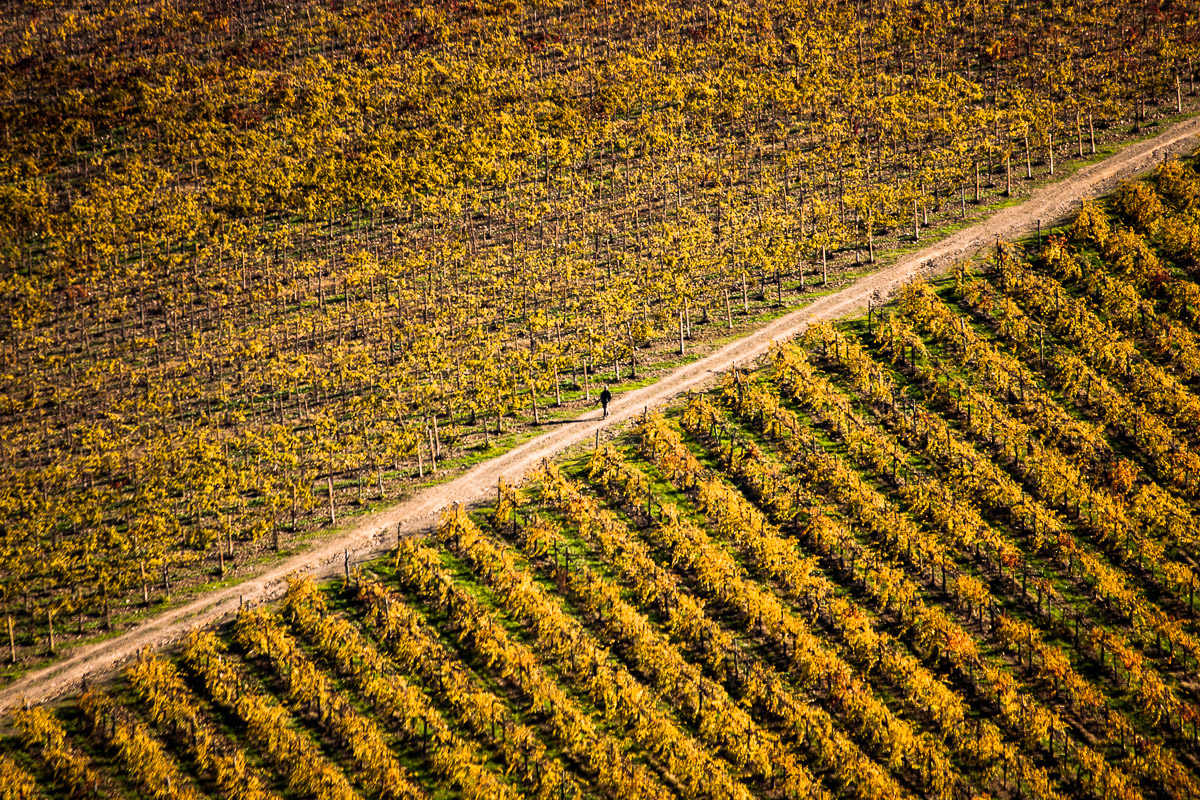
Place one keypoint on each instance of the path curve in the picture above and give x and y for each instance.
(373, 535)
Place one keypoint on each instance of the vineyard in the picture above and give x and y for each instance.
(264, 265)
(946, 550)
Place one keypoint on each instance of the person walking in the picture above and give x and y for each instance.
(605, 399)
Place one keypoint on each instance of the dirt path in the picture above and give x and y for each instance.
(375, 534)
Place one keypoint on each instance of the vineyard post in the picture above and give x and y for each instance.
(681, 350)
(632, 350)
(329, 487)
(50, 628)
(729, 311)
(871, 237)
(1008, 174)
(916, 224)
(432, 449)
(1028, 159)
(293, 516)
(12, 642)
(824, 268)
(745, 295)
(1050, 147)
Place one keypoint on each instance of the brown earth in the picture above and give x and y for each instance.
(373, 535)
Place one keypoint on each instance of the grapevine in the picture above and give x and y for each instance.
(354, 655)
(172, 704)
(153, 769)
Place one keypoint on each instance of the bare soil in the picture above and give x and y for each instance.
(375, 534)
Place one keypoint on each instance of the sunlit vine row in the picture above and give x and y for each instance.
(1154, 507)
(1109, 515)
(894, 742)
(1156, 697)
(172, 704)
(1100, 345)
(937, 440)
(712, 710)
(308, 688)
(758, 682)
(15, 782)
(1129, 280)
(266, 722)
(153, 770)
(419, 568)
(1047, 530)
(1058, 481)
(615, 688)
(758, 539)
(936, 635)
(477, 709)
(44, 734)
(1076, 380)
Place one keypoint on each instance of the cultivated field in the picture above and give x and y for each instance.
(945, 550)
(265, 265)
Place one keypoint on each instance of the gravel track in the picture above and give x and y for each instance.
(374, 534)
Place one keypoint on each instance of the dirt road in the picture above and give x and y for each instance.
(376, 533)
